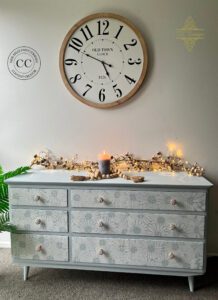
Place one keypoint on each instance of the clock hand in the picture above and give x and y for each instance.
(101, 61)
(107, 73)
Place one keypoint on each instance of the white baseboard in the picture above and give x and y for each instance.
(5, 241)
(5, 244)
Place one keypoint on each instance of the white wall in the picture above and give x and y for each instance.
(177, 102)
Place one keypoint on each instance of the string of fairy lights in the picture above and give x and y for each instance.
(120, 164)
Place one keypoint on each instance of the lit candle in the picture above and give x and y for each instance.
(104, 162)
(179, 153)
(171, 148)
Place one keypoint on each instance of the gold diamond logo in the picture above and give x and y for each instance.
(189, 34)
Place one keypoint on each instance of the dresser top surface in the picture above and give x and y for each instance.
(62, 177)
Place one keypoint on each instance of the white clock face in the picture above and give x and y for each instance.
(103, 60)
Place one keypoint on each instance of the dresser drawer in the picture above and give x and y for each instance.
(132, 223)
(39, 197)
(138, 252)
(40, 220)
(40, 247)
(166, 200)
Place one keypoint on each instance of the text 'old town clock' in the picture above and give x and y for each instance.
(103, 60)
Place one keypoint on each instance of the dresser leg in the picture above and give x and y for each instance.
(191, 283)
(25, 272)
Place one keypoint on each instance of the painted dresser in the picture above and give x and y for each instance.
(154, 227)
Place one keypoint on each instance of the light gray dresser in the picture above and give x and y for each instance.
(154, 227)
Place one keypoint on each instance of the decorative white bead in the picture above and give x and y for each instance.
(173, 201)
(101, 252)
(100, 199)
(171, 255)
(172, 226)
(38, 221)
(39, 248)
(100, 224)
(37, 198)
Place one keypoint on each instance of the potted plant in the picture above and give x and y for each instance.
(5, 224)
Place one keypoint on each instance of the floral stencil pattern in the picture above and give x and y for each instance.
(47, 197)
(53, 220)
(138, 252)
(132, 223)
(191, 201)
(24, 246)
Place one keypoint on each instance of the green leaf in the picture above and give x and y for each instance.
(5, 225)
(1, 170)
(4, 205)
(3, 190)
(4, 218)
(16, 172)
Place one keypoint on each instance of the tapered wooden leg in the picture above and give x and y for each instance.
(25, 272)
(191, 283)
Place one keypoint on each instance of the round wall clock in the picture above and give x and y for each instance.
(103, 60)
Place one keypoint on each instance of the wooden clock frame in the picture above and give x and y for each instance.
(66, 41)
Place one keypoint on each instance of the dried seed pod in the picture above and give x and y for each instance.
(78, 178)
(137, 179)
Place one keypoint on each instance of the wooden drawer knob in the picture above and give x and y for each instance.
(38, 221)
(171, 255)
(101, 252)
(173, 202)
(101, 224)
(172, 226)
(39, 248)
(37, 198)
(100, 199)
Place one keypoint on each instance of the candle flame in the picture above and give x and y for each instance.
(104, 156)
(171, 147)
(175, 149)
(179, 153)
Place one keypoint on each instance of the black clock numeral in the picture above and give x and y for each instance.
(70, 62)
(75, 78)
(129, 79)
(101, 95)
(134, 62)
(76, 44)
(117, 91)
(88, 88)
(86, 32)
(128, 45)
(102, 27)
(118, 32)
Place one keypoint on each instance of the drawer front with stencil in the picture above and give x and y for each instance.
(40, 247)
(38, 197)
(161, 200)
(132, 223)
(138, 252)
(40, 220)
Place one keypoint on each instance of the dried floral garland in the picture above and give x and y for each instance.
(119, 164)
